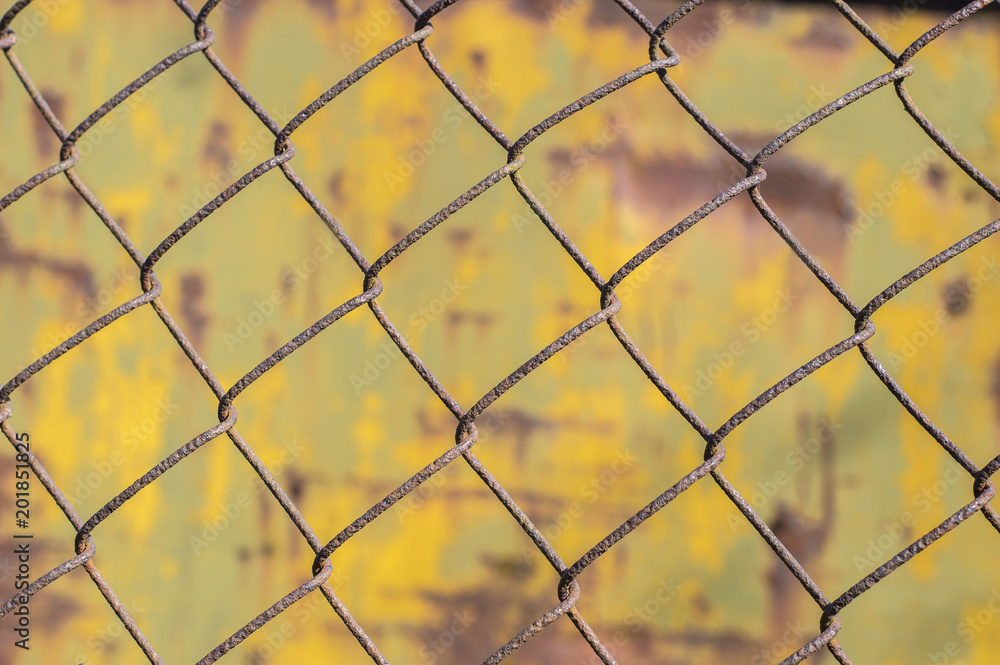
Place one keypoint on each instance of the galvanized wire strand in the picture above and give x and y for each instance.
(661, 57)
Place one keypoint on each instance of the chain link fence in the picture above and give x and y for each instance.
(657, 58)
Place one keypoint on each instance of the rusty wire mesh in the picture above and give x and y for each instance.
(661, 57)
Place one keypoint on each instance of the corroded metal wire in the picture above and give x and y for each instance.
(661, 57)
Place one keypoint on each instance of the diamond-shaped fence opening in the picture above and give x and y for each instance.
(435, 556)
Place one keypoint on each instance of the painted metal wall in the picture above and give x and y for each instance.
(839, 470)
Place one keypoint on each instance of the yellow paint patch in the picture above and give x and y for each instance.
(701, 535)
(169, 569)
(131, 202)
(368, 429)
(65, 15)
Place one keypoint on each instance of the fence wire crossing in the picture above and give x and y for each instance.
(661, 57)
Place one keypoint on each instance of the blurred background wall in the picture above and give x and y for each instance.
(838, 469)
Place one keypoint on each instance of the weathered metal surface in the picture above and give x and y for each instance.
(804, 280)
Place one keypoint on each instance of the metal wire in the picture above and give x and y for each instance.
(661, 57)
